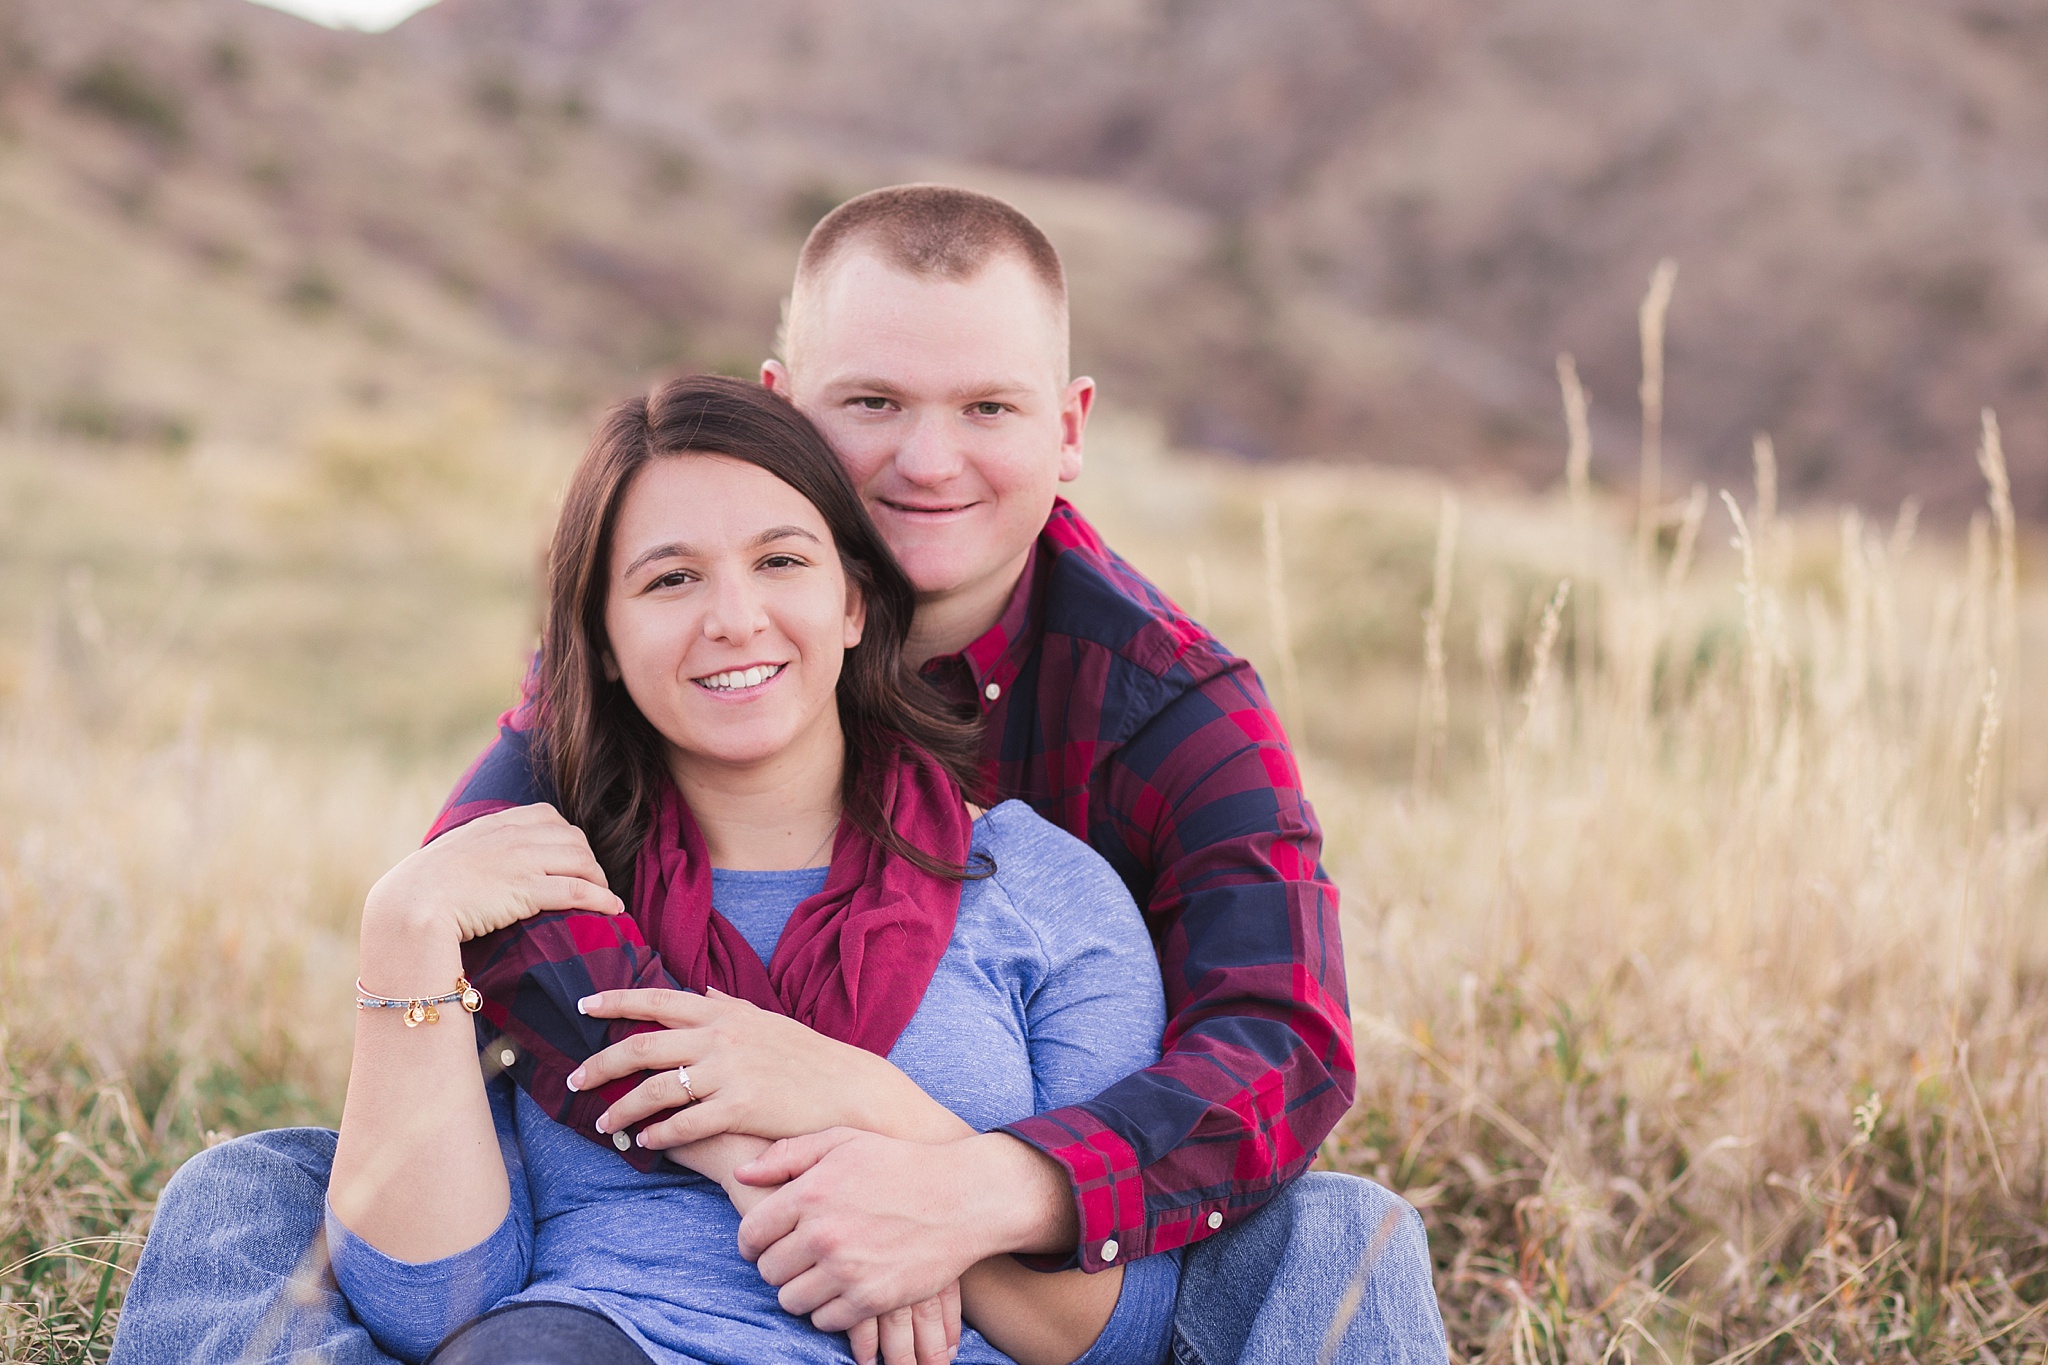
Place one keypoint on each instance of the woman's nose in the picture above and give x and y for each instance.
(736, 612)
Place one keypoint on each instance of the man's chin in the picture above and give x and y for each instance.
(937, 572)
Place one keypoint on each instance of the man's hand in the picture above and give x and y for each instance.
(864, 1225)
(923, 1334)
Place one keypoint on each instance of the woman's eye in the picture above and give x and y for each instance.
(872, 404)
(782, 562)
(674, 578)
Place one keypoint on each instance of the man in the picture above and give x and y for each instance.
(926, 335)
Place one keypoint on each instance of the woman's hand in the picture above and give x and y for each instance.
(752, 1071)
(925, 1333)
(493, 871)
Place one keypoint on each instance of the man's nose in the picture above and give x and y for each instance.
(930, 453)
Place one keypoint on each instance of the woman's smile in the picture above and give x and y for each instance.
(745, 681)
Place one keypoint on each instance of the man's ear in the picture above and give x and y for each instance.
(775, 377)
(1075, 405)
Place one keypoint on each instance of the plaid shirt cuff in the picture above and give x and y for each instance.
(1109, 1192)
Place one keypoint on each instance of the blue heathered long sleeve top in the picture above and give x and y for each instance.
(1048, 993)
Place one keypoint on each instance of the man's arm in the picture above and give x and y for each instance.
(1202, 812)
(505, 774)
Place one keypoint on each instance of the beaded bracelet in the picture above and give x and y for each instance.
(421, 1010)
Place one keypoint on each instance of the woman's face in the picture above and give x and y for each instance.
(728, 614)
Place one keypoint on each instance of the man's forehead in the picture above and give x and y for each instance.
(861, 310)
(860, 280)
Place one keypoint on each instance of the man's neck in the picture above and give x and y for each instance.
(948, 623)
(768, 816)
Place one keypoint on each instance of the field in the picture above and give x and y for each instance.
(1692, 889)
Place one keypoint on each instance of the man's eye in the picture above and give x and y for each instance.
(988, 409)
(872, 404)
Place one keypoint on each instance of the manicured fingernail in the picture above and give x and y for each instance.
(575, 1081)
(640, 1141)
(599, 1125)
(583, 1005)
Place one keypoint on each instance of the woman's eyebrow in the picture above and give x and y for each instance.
(675, 549)
(784, 533)
(672, 550)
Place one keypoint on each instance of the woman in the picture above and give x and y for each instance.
(726, 717)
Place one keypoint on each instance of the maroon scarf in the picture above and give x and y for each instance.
(853, 961)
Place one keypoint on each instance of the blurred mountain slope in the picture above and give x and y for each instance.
(1304, 228)
(1414, 206)
(217, 211)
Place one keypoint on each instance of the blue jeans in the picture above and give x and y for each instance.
(235, 1272)
(539, 1334)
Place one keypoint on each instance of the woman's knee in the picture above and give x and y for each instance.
(1322, 1220)
(283, 1165)
(1352, 1209)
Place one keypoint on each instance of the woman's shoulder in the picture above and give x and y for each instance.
(1030, 841)
(1052, 878)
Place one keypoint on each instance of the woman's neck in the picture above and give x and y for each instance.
(770, 816)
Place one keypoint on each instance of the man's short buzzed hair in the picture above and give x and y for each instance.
(926, 231)
(934, 230)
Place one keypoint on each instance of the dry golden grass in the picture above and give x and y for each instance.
(1694, 913)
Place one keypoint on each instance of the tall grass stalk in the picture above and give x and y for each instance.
(1432, 731)
(1278, 623)
(1650, 320)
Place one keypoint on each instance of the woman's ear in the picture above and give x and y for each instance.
(611, 666)
(856, 613)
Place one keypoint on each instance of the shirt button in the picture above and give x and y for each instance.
(992, 691)
(507, 1057)
(621, 1141)
(1109, 1250)
(1215, 1221)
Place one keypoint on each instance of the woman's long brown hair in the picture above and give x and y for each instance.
(606, 761)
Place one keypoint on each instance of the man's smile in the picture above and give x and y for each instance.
(917, 509)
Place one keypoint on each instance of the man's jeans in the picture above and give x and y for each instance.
(235, 1273)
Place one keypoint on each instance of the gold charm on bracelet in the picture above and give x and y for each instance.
(427, 1011)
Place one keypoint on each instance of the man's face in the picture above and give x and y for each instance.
(947, 401)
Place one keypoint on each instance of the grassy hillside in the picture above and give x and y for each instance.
(1691, 914)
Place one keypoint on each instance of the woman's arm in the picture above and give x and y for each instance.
(716, 1158)
(417, 1172)
(752, 1071)
(410, 1306)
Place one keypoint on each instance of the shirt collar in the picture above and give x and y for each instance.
(995, 657)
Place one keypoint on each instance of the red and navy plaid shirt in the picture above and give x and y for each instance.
(1125, 723)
